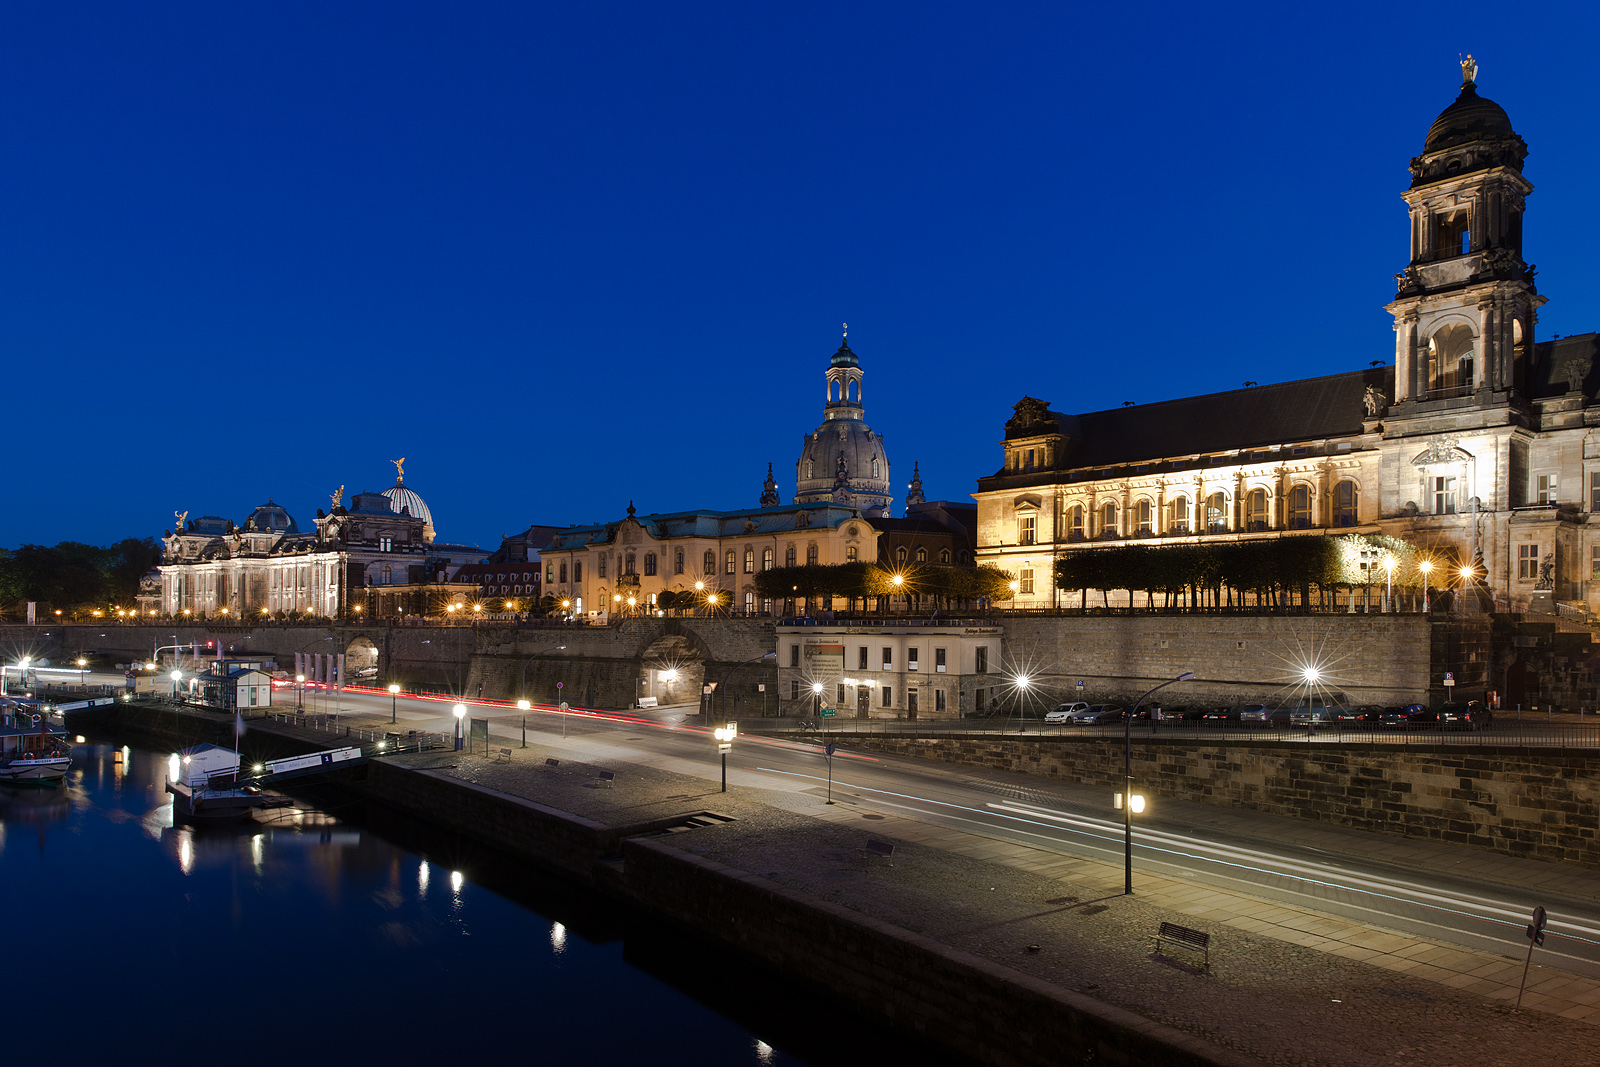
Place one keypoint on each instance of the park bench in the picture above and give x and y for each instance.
(648, 702)
(503, 756)
(882, 849)
(551, 761)
(1182, 935)
(606, 778)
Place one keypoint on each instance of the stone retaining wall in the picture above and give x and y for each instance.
(1543, 804)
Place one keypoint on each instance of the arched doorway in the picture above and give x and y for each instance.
(361, 661)
(671, 671)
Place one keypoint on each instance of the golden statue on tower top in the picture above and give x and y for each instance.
(399, 470)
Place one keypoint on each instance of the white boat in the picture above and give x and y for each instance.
(31, 749)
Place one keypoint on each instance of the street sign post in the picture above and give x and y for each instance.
(1535, 937)
(1449, 680)
(827, 713)
(828, 752)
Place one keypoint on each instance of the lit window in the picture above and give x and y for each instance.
(1217, 513)
(851, 555)
(766, 559)
(1146, 514)
(749, 560)
(1074, 523)
(900, 554)
(711, 562)
(730, 561)
(1300, 508)
(1444, 495)
(1256, 510)
(1345, 498)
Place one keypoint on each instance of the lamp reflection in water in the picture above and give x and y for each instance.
(422, 879)
(456, 881)
(558, 938)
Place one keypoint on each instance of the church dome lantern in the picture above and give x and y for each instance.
(843, 461)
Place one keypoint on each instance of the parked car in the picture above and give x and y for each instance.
(1262, 715)
(1472, 715)
(1230, 714)
(1400, 716)
(1359, 713)
(1097, 714)
(1064, 712)
(1315, 710)
(1182, 713)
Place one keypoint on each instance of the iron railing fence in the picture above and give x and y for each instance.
(1503, 733)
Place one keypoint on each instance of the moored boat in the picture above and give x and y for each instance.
(33, 751)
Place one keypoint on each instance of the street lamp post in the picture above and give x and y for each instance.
(394, 700)
(1022, 689)
(460, 712)
(816, 699)
(1127, 788)
(725, 736)
(522, 686)
(523, 706)
(299, 694)
(1426, 567)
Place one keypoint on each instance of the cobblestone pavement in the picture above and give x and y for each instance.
(1287, 985)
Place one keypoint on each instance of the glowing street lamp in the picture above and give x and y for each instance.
(1388, 596)
(299, 692)
(394, 699)
(725, 736)
(1426, 567)
(176, 676)
(523, 706)
(460, 712)
(816, 698)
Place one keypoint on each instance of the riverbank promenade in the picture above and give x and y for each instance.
(1286, 983)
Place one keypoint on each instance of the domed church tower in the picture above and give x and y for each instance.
(1466, 303)
(843, 461)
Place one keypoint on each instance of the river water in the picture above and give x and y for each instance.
(335, 929)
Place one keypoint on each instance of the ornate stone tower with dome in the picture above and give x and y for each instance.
(1464, 310)
(843, 461)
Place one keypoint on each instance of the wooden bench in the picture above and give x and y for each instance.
(503, 756)
(606, 778)
(882, 849)
(1182, 935)
(648, 702)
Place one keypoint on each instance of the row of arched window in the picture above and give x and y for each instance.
(732, 562)
(1215, 515)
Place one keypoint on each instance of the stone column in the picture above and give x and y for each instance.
(1489, 350)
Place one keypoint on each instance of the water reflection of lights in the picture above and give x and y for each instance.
(558, 938)
(422, 878)
(257, 853)
(764, 1051)
(455, 882)
(185, 851)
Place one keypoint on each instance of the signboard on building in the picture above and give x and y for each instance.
(824, 661)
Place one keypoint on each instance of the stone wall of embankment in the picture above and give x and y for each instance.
(988, 1012)
(1543, 804)
(985, 1011)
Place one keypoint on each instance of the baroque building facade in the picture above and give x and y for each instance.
(1479, 445)
(377, 556)
(599, 568)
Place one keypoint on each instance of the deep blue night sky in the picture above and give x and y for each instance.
(561, 256)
